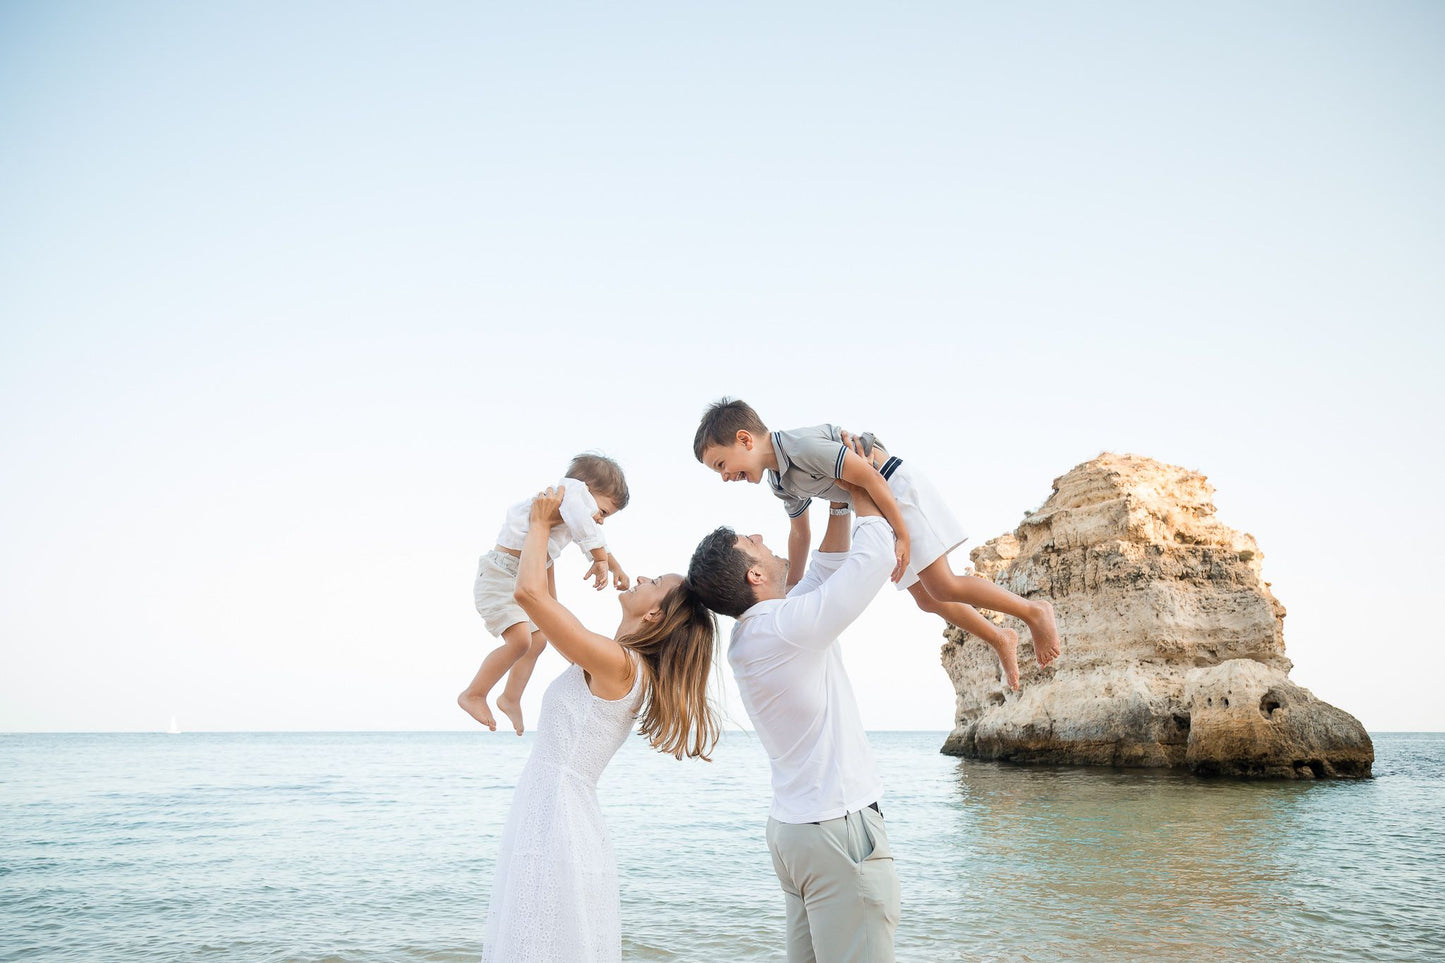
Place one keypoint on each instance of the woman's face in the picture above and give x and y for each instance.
(647, 594)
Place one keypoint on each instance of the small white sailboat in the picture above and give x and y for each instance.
(173, 729)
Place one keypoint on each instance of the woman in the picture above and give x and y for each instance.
(555, 896)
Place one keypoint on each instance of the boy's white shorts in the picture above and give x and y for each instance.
(933, 529)
(493, 588)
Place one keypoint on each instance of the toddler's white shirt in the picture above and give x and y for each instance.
(578, 507)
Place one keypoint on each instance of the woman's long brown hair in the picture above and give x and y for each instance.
(675, 654)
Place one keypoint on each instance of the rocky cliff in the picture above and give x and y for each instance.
(1173, 645)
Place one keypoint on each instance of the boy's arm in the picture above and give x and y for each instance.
(859, 473)
(800, 539)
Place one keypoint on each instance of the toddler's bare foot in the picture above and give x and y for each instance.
(1007, 648)
(512, 709)
(478, 709)
(1045, 633)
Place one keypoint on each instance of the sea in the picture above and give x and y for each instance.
(380, 847)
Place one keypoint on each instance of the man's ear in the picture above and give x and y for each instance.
(745, 438)
(756, 576)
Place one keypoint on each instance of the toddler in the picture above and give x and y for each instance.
(595, 490)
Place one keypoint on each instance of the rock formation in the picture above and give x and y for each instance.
(1173, 643)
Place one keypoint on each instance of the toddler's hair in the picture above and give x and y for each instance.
(602, 475)
(721, 423)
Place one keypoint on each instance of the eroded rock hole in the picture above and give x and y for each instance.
(1270, 704)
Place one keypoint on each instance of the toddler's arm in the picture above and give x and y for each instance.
(620, 581)
(577, 510)
(604, 563)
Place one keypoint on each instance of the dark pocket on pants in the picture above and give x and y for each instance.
(877, 878)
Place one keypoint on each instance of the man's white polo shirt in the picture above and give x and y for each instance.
(788, 665)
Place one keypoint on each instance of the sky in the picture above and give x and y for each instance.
(296, 299)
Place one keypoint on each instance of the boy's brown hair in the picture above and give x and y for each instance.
(602, 475)
(721, 423)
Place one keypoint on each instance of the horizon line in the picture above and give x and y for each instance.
(282, 732)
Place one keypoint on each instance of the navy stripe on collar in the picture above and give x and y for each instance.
(784, 462)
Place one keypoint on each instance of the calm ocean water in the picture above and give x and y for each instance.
(363, 847)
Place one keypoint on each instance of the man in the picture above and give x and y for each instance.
(826, 834)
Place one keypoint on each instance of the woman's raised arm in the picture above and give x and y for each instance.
(602, 658)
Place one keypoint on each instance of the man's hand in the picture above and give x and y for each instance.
(876, 456)
(901, 551)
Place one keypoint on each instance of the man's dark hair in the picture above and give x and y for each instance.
(721, 423)
(602, 475)
(718, 574)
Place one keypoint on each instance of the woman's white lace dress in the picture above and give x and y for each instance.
(555, 896)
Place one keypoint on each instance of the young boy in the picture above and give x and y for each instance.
(806, 463)
(595, 490)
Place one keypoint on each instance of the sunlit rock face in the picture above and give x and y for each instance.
(1173, 645)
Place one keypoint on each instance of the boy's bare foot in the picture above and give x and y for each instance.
(1007, 648)
(512, 709)
(478, 709)
(1045, 633)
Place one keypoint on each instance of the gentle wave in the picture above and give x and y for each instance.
(376, 846)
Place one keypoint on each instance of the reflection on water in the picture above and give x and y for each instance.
(1075, 864)
(1136, 865)
(379, 847)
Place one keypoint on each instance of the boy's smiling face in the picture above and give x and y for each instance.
(740, 461)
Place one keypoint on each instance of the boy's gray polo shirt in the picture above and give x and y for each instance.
(810, 460)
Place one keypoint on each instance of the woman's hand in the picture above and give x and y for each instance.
(547, 507)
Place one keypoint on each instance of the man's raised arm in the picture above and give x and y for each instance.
(815, 619)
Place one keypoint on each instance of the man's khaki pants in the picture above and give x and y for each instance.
(840, 887)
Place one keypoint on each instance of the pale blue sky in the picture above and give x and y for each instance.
(295, 299)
